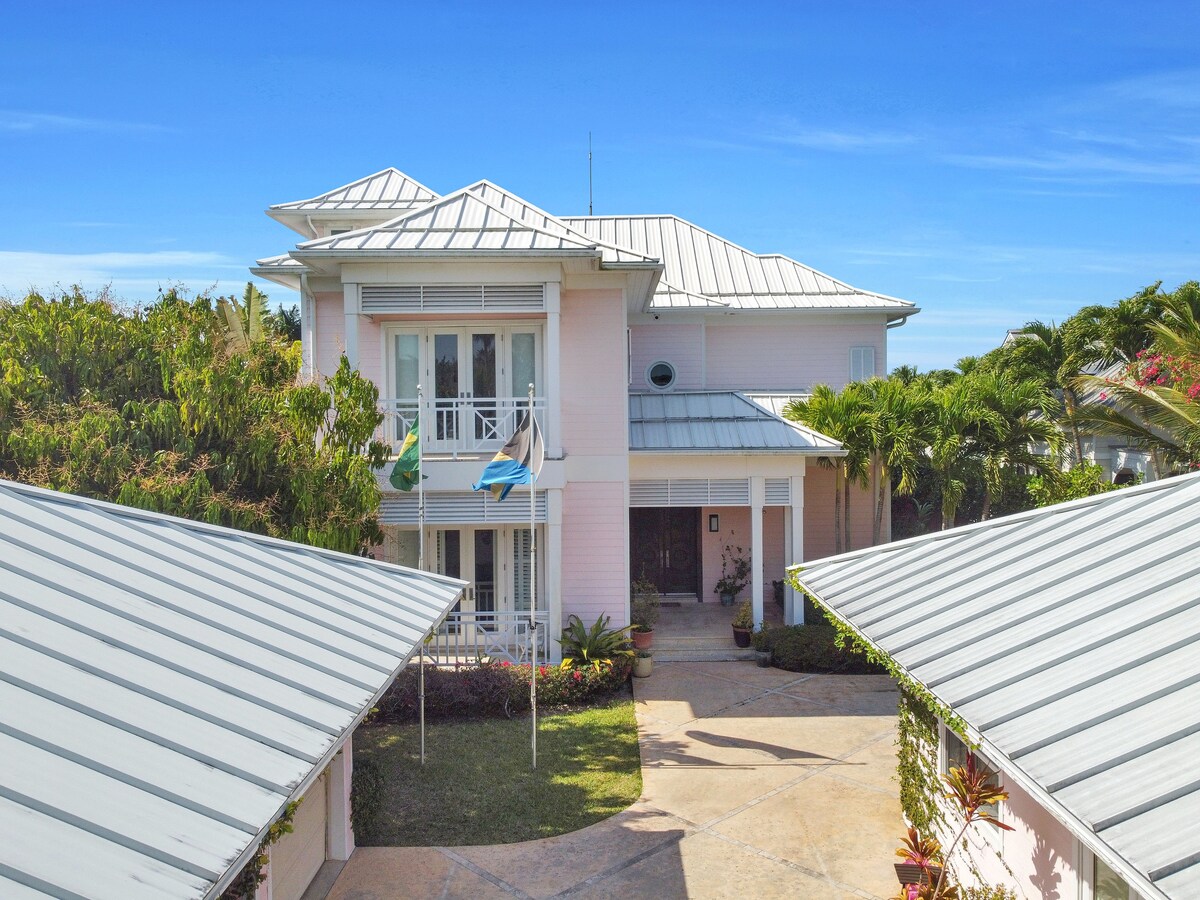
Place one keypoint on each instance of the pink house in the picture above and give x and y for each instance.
(660, 356)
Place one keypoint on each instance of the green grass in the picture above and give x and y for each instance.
(477, 787)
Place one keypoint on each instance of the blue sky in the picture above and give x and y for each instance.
(994, 163)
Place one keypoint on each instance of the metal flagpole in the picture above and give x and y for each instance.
(532, 584)
(420, 562)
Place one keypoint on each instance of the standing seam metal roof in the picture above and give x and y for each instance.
(386, 189)
(169, 686)
(1068, 639)
(717, 422)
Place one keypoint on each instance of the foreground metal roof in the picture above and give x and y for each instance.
(700, 264)
(167, 687)
(1068, 640)
(717, 422)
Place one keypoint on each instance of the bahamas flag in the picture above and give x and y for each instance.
(518, 462)
(407, 471)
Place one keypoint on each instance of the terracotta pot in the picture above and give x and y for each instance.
(642, 639)
(642, 666)
(741, 637)
(910, 873)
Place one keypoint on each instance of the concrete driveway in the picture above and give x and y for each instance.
(757, 783)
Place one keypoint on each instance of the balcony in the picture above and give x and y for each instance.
(458, 426)
(467, 637)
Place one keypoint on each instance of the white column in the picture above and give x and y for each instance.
(553, 373)
(554, 507)
(758, 493)
(793, 609)
(307, 349)
(339, 831)
(350, 307)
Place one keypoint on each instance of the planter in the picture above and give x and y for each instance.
(910, 873)
(642, 639)
(762, 658)
(727, 599)
(642, 666)
(741, 637)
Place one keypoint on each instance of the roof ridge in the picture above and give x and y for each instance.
(357, 181)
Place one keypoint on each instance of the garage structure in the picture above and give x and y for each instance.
(169, 687)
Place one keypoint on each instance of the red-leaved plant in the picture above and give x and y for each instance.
(971, 789)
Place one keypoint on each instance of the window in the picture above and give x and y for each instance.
(660, 375)
(954, 755)
(1108, 885)
(862, 363)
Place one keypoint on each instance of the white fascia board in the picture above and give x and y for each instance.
(375, 255)
(287, 279)
(739, 451)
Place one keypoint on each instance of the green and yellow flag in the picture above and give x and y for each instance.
(407, 471)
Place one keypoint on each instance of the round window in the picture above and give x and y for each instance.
(661, 375)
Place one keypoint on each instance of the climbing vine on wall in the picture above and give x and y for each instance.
(917, 766)
(245, 886)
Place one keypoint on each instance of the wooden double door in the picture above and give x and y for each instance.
(664, 547)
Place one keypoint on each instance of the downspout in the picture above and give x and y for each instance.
(899, 323)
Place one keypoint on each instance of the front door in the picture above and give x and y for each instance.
(664, 547)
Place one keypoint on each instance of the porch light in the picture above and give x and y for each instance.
(714, 522)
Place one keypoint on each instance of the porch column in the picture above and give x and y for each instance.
(552, 374)
(339, 837)
(350, 307)
(307, 346)
(554, 507)
(758, 494)
(793, 526)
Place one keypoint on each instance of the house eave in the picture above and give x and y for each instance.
(743, 451)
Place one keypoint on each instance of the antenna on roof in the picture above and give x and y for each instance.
(589, 173)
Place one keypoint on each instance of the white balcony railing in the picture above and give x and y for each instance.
(465, 638)
(468, 425)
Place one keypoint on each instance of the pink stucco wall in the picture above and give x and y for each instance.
(786, 357)
(735, 531)
(331, 340)
(595, 559)
(680, 345)
(818, 514)
(1037, 858)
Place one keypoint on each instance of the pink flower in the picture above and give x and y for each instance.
(577, 675)
(1103, 395)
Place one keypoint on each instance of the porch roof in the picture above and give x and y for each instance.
(717, 422)
(169, 686)
(1068, 640)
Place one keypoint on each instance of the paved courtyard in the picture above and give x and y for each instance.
(757, 783)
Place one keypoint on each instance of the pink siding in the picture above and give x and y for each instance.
(818, 514)
(786, 357)
(593, 379)
(680, 345)
(331, 332)
(595, 559)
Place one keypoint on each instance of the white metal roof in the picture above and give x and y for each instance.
(461, 221)
(702, 264)
(168, 686)
(774, 401)
(387, 189)
(717, 422)
(1068, 639)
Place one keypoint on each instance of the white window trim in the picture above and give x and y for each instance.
(425, 332)
(865, 375)
(674, 375)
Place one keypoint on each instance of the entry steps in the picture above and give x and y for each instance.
(698, 649)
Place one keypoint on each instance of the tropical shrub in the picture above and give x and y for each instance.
(597, 646)
(813, 648)
(735, 571)
(644, 605)
(744, 617)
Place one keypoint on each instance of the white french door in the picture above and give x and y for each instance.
(494, 560)
(474, 379)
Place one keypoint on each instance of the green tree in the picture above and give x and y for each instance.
(1084, 480)
(897, 411)
(155, 408)
(955, 416)
(1012, 424)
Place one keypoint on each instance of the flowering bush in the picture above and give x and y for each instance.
(496, 689)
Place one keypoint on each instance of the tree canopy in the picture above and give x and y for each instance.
(159, 408)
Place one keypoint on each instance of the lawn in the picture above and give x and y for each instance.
(477, 787)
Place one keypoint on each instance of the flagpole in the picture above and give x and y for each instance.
(420, 561)
(532, 584)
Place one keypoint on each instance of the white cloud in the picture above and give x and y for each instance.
(17, 122)
(132, 275)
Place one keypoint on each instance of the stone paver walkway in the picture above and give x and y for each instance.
(757, 783)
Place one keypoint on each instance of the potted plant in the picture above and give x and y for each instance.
(735, 574)
(761, 642)
(643, 612)
(643, 663)
(743, 624)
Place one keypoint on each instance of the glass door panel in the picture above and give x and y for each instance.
(448, 557)
(485, 570)
(524, 363)
(446, 386)
(522, 586)
(483, 385)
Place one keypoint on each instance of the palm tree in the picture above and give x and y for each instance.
(244, 321)
(897, 411)
(1013, 423)
(954, 416)
(843, 416)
